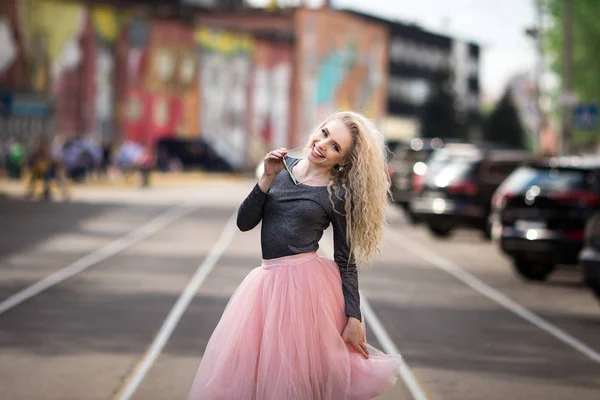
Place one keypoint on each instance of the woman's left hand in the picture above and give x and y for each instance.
(355, 336)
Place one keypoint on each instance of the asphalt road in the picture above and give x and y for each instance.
(120, 259)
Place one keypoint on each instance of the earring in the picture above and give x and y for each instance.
(340, 168)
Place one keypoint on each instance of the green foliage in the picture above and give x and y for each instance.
(504, 126)
(586, 50)
(439, 116)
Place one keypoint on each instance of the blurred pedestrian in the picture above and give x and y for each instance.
(58, 168)
(293, 329)
(40, 168)
(146, 163)
(127, 158)
(108, 147)
(15, 160)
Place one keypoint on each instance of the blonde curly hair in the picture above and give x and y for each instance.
(365, 183)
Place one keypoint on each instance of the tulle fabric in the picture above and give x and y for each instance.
(280, 339)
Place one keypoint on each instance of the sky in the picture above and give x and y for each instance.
(497, 25)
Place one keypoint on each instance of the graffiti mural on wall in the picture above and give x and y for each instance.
(114, 75)
(71, 62)
(159, 70)
(55, 58)
(106, 28)
(343, 67)
(271, 90)
(52, 45)
(225, 67)
(17, 88)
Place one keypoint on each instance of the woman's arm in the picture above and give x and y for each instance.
(251, 211)
(346, 265)
(354, 333)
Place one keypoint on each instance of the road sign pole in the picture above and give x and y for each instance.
(566, 145)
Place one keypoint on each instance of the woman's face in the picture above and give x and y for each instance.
(330, 144)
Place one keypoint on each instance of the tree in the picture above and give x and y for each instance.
(438, 115)
(504, 126)
(586, 46)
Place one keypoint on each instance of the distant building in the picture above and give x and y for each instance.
(414, 56)
(244, 81)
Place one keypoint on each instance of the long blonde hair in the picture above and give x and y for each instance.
(365, 184)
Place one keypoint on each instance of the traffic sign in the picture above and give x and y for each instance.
(585, 117)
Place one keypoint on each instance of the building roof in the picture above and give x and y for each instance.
(397, 26)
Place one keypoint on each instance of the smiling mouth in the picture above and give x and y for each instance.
(317, 152)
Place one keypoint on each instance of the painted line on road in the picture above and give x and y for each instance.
(132, 383)
(384, 338)
(143, 232)
(491, 293)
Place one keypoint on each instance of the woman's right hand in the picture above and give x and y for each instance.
(273, 162)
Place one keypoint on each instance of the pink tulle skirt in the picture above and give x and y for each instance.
(280, 339)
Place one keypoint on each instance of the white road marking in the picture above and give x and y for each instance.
(170, 323)
(136, 236)
(491, 293)
(383, 337)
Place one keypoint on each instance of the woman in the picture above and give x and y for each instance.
(293, 328)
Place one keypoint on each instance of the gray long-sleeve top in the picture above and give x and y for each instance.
(293, 220)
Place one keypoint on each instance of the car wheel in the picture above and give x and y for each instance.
(410, 216)
(591, 280)
(595, 286)
(487, 231)
(439, 229)
(534, 270)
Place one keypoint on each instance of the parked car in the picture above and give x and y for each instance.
(540, 212)
(458, 189)
(192, 153)
(439, 158)
(589, 258)
(405, 164)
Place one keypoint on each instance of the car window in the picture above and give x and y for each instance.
(452, 171)
(550, 179)
(496, 172)
(441, 158)
(445, 155)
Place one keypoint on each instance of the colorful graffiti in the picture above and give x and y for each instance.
(110, 74)
(106, 30)
(271, 94)
(159, 71)
(57, 42)
(116, 75)
(49, 58)
(225, 71)
(343, 67)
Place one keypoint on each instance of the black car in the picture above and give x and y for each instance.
(405, 164)
(458, 191)
(540, 212)
(589, 258)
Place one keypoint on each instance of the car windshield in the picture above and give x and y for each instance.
(550, 179)
(450, 171)
(441, 158)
